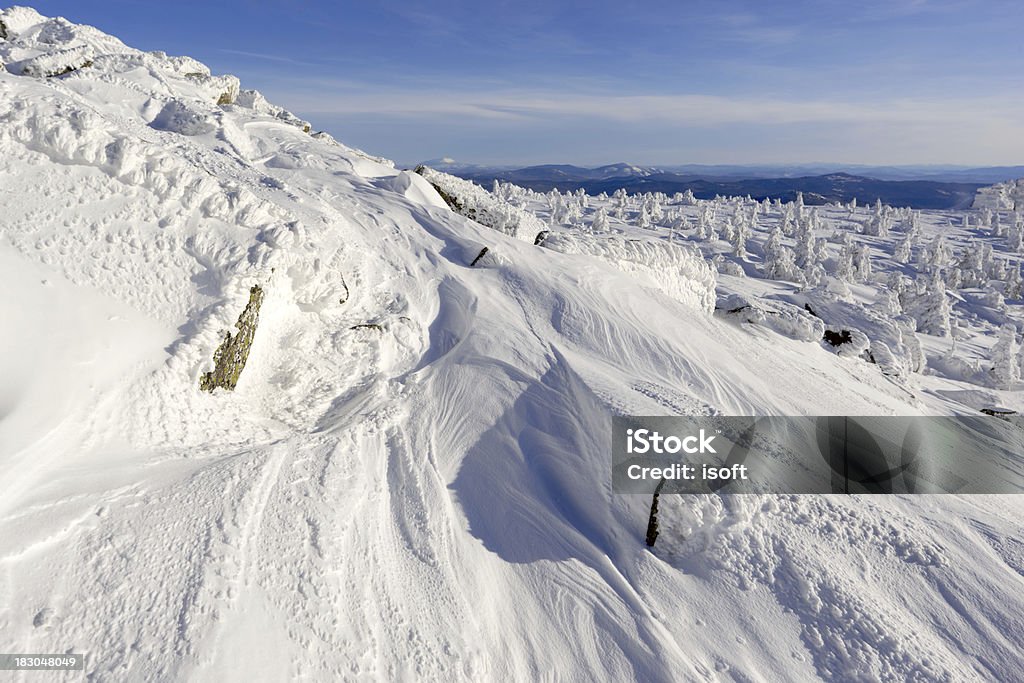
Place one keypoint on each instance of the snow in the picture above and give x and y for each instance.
(678, 271)
(1002, 196)
(178, 117)
(411, 480)
(490, 211)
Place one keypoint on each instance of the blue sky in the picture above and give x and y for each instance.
(886, 82)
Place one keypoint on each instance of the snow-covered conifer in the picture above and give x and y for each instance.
(779, 260)
(862, 262)
(901, 253)
(740, 237)
(936, 256)
(1014, 282)
(846, 268)
(878, 224)
(933, 310)
(643, 218)
(1005, 358)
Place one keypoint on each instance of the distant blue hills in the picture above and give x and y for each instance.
(921, 187)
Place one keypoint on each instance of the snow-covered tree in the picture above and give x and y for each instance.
(932, 308)
(740, 237)
(862, 262)
(656, 210)
(557, 207)
(996, 227)
(936, 255)
(600, 223)
(643, 219)
(911, 225)
(1014, 282)
(846, 268)
(1015, 238)
(729, 230)
(706, 224)
(573, 211)
(988, 260)
(582, 198)
(878, 225)
(779, 261)
(888, 303)
(789, 220)
(971, 269)
(807, 249)
(1005, 359)
(954, 278)
(915, 352)
(815, 275)
(620, 198)
(901, 254)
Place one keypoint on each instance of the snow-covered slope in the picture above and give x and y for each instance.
(411, 480)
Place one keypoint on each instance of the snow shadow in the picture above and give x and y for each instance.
(534, 487)
(454, 320)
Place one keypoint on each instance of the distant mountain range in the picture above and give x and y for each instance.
(922, 187)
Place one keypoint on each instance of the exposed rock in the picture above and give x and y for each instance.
(998, 412)
(451, 200)
(474, 202)
(483, 252)
(850, 343)
(837, 338)
(230, 357)
(652, 520)
(223, 89)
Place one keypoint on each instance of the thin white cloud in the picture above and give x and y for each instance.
(267, 57)
(710, 128)
(682, 110)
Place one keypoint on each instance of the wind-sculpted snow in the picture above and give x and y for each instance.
(677, 271)
(68, 134)
(836, 579)
(55, 63)
(410, 479)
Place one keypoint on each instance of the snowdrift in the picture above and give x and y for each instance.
(677, 271)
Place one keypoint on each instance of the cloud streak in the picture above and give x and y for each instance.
(685, 109)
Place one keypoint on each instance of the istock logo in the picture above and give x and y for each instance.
(641, 441)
